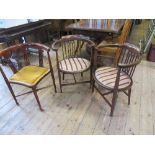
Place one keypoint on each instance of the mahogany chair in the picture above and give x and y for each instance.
(116, 79)
(26, 74)
(72, 57)
(111, 52)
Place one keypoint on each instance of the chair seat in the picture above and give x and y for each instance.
(74, 65)
(106, 49)
(106, 76)
(29, 75)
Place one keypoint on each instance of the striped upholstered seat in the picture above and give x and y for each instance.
(107, 77)
(74, 65)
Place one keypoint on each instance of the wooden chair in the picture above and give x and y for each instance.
(72, 57)
(116, 79)
(26, 74)
(111, 52)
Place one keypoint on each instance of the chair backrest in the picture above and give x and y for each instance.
(129, 58)
(72, 46)
(123, 37)
(18, 56)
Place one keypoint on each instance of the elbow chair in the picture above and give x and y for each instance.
(71, 56)
(119, 78)
(27, 75)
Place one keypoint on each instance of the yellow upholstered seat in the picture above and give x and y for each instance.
(29, 75)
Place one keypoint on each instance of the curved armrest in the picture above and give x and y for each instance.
(6, 52)
(38, 45)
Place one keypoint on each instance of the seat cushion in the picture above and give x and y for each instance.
(29, 75)
(74, 65)
(107, 77)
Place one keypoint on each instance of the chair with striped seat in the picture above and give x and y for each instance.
(26, 72)
(72, 57)
(116, 79)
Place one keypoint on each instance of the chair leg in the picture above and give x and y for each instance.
(74, 77)
(63, 76)
(9, 86)
(113, 103)
(81, 74)
(91, 78)
(59, 75)
(129, 95)
(36, 96)
(52, 75)
(12, 92)
(93, 83)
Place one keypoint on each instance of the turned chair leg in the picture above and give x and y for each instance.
(113, 102)
(129, 95)
(36, 96)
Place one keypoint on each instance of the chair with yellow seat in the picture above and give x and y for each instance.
(26, 74)
(113, 52)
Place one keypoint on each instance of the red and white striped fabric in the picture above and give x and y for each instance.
(74, 65)
(107, 77)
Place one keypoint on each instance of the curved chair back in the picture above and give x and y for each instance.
(72, 46)
(18, 58)
(129, 57)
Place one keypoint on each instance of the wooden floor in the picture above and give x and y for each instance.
(78, 111)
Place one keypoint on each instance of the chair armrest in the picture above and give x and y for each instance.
(38, 45)
(6, 52)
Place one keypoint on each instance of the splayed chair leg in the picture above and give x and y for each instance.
(36, 96)
(129, 95)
